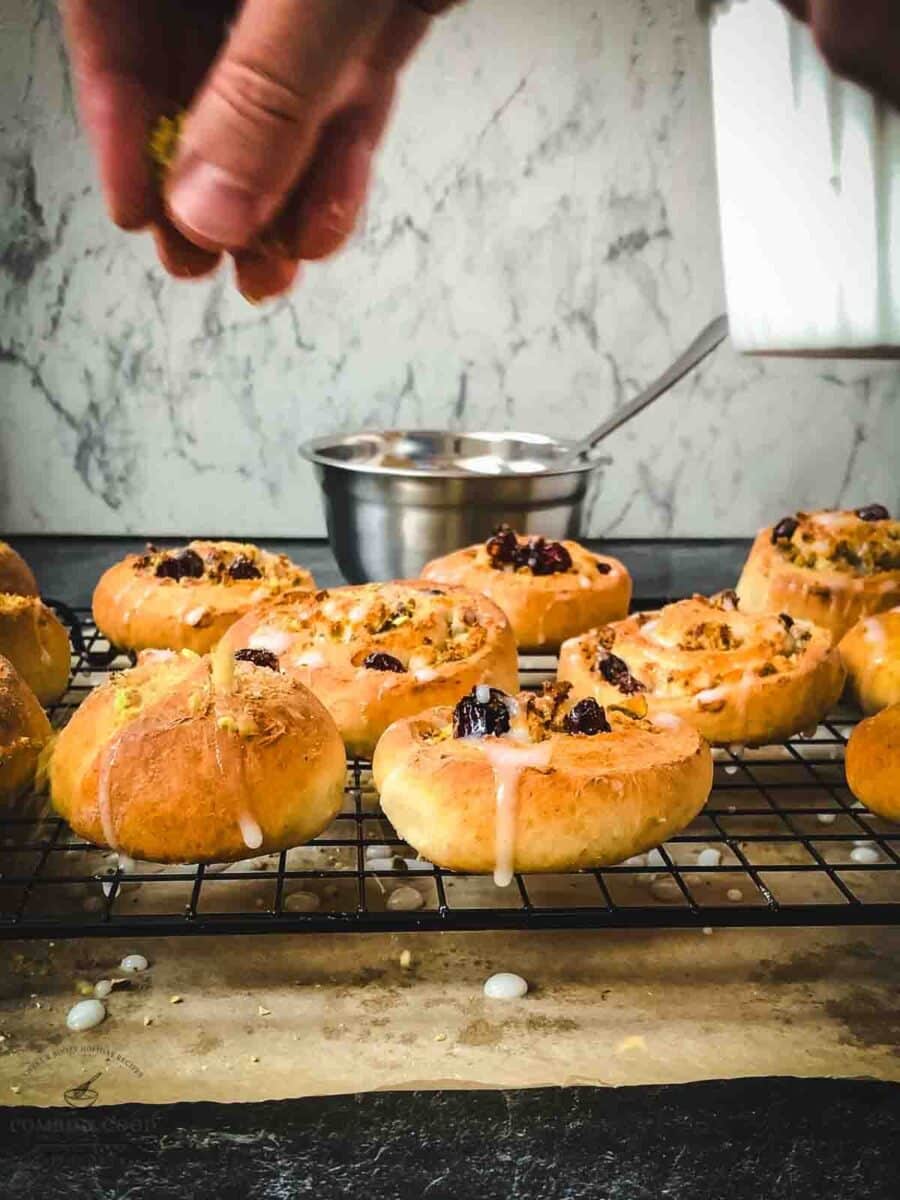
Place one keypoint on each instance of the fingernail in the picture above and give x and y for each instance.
(210, 202)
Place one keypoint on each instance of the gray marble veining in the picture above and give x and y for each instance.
(541, 240)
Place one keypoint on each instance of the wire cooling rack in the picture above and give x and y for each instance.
(780, 842)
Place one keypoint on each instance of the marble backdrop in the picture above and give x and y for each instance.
(541, 240)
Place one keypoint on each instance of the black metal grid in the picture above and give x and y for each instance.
(785, 826)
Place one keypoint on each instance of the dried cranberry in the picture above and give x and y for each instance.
(785, 529)
(181, 564)
(475, 718)
(384, 662)
(615, 671)
(502, 547)
(787, 621)
(603, 568)
(587, 717)
(259, 658)
(547, 558)
(873, 512)
(244, 568)
(537, 554)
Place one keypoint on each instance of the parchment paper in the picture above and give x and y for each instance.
(275, 1017)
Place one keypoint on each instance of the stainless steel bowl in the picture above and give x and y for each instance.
(395, 499)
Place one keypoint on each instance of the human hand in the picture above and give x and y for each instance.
(859, 39)
(287, 101)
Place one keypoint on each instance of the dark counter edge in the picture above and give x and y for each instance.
(67, 567)
(741, 1139)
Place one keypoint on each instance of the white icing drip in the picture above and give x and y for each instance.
(274, 640)
(156, 656)
(666, 720)
(126, 592)
(250, 831)
(876, 634)
(711, 696)
(585, 582)
(508, 760)
(38, 633)
(310, 658)
(832, 520)
(426, 674)
(483, 693)
(195, 615)
(103, 800)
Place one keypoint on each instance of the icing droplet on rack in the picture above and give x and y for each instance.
(709, 857)
(301, 902)
(867, 855)
(405, 899)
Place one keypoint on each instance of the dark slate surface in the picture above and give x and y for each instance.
(765, 1139)
(68, 567)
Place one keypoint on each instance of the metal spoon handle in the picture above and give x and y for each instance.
(702, 346)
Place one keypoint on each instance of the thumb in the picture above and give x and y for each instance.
(254, 126)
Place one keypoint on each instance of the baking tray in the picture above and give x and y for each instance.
(793, 849)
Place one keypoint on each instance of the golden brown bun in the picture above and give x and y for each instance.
(833, 569)
(543, 610)
(446, 639)
(163, 764)
(139, 610)
(570, 801)
(871, 654)
(36, 644)
(873, 763)
(24, 731)
(737, 677)
(15, 573)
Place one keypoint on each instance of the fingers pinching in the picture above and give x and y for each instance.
(255, 124)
